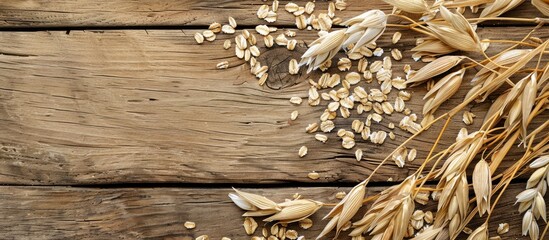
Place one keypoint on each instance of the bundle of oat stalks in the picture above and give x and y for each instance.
(519, 74)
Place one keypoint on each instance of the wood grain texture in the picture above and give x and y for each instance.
(159, 213)
(94, 107)
(154, 13)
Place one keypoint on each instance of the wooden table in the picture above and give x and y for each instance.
(114, 123)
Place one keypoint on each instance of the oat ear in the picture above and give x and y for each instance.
(257, 200)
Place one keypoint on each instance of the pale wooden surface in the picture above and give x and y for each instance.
(118, 105)
(149, 106)
(162, 13)
(159, 213)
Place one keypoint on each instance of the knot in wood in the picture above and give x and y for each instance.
(278, 59)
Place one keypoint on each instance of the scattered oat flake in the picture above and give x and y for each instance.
(503, 228)
(296, 100)
(293, 67)
(358, 154)
(311, 128)
(227, 29)
(199, 38)
(222, 65)
(321, 137)
(303, 151)
(250, 225)
(340, 5)
(306, 223)
(396, 54)
(378, 52)
(313, 175)
(203, 237)
(227, 44)
(428, 217)
(291, 7)
(344, 64)
(215, 27)
(396, 37)
(262, 11)
(468, 117)
(262, 29)
(291, 44)
(189, 225)
(232, 22)
(309, 7)
(412, 155)
(291, 234)
(294, 115)
(347, 142)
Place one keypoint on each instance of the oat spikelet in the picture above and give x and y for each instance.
(431, 47)
(481, 233)
(434, 68)
(442, 91)
(456, 31)
(528, 100)
(482, 185)
(365, 28)
(345, 209)
(295, 210)
(361, 30)
(323, 49)
(250, 201)
(531, 200)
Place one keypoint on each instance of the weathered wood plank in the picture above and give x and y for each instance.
(153, 13)
(148, 106)
(159, 213)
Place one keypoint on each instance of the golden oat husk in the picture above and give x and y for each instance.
(442, 91)
(542, 6)
(456, 31)
(434, 68)
(295, 211)
(482, 185)
(499, 7)
(255, 200)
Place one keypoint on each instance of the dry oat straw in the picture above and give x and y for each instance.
(514, 83)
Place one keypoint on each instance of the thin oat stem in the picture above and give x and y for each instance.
(489, 69)
(510, 41)
(494, 203)
(524, 159)
(544, 231)
(415, 24)
(466, 3)
(530, 20)
(399, 25)
(491, 61)
(430, 153)
(540, 55)
(523, 39)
